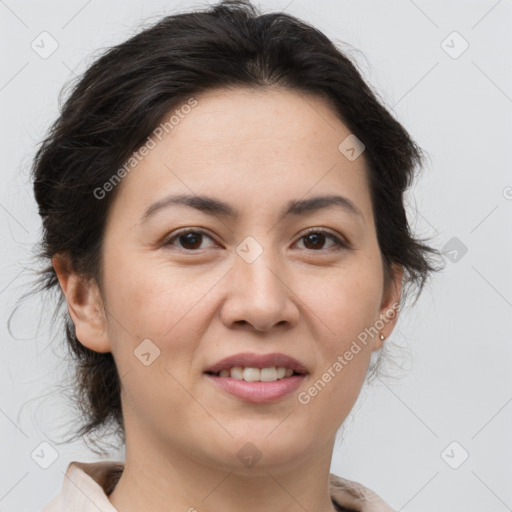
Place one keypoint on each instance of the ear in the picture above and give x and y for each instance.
(389, 306)
(85, 306)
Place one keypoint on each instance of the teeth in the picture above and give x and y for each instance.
(248, 374)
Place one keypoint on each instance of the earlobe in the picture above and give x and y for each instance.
(84, 305)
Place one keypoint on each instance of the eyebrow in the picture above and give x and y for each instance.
(215, 207)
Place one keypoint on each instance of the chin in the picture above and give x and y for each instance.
(263, 449)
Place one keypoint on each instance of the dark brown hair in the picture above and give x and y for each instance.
(123, 96)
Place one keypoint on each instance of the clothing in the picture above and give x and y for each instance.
(87, 485)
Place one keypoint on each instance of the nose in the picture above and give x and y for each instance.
(259, 295)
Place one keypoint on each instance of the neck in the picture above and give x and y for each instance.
(171, 480)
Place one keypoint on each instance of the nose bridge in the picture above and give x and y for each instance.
(257, 269)
(257, 293)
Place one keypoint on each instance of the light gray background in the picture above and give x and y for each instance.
(457, 383)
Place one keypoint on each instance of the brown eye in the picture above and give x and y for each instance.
(315, 239)
(188, 240)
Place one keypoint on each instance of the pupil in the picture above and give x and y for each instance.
(189, 239)
(315, 238)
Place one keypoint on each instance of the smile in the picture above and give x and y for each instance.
(257, 391)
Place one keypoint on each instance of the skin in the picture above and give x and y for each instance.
(255, 149)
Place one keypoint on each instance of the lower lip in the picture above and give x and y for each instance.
(258, 392)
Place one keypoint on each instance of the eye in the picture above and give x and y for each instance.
(316, 238)
(190, 239)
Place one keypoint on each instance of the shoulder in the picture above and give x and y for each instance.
(355, 496)
(86, 486)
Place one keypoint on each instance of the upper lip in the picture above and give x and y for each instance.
(253, 360)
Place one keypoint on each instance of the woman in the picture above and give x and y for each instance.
(222, 205)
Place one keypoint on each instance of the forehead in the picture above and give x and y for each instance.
(266, 119)
(251, 146)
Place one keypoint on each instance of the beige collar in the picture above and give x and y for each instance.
(87, 485)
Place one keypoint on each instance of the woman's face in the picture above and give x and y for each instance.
(248, 282)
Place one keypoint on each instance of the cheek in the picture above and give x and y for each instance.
(149, 299)
(347, 301)
(151, 303)
(169, 306)
(348, 305)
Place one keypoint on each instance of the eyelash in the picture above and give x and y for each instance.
(340, 245)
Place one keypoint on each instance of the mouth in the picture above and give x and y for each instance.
(246, 383)
(257, 378)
